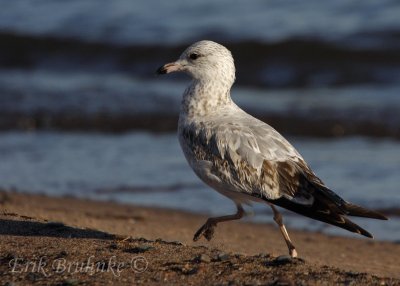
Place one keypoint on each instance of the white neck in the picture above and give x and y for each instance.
(202, 97)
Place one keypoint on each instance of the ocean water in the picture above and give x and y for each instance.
(124, 21)
(94, 62)
(82, 113)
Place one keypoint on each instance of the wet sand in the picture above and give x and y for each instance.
(67, 241)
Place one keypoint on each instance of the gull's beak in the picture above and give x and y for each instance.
(168, 68)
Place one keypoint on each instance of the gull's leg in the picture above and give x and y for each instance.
(278, 219)
(207, 230)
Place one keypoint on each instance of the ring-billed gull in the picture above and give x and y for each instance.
(244, 158)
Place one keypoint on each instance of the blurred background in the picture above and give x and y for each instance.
(83, 114)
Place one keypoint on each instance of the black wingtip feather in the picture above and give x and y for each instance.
(351, 226)
(327, 206)
(316, 212)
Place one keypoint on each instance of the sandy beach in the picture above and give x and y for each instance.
(67, 241)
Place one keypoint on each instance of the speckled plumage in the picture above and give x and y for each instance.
(227, 148)
(242, 157)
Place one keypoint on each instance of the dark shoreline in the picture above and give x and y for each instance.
(161, 123)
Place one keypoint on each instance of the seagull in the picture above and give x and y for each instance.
(244, 158)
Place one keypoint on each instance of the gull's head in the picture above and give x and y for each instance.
(204, 61)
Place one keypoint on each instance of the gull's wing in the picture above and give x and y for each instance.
(252, 158)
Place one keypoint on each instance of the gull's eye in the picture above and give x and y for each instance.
(194, 56)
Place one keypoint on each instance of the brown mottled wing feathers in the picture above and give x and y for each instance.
(294, 180)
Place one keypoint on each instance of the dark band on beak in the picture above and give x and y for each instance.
(161, 70)
(170, 67)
